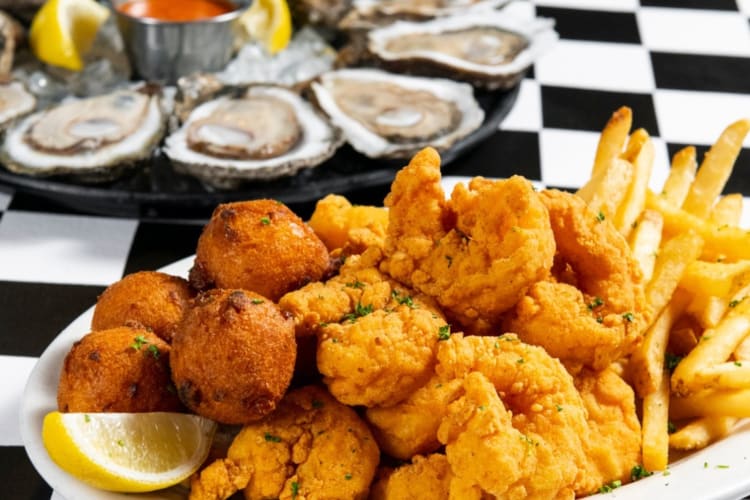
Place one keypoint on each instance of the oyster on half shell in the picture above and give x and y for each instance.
(15, 101)
(491, 49)
(368, 14)
(384, 115)
(266, 133)
(94, 139)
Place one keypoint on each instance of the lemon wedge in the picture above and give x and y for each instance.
(128, 452)
(63, 30)
(269, 22)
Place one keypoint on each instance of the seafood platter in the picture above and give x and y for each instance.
(359, 88)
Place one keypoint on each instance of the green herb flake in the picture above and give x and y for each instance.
(600, 216)
(138, 342)
(356, 284)
(520, 361)
(597, 302)
(629, 317)
(671, 361)
(316, 403)
(666, 472)
(265, 221)
(734, 303)
(444, 332)
(599, 319)
(86, 418)
(359, 311)
(671, 429)
(705, 465)
(737, 363)
(348, 476)
(120, 442)
(271, 438)
(449, 259)
(295, 489)
(257, 301)
(154, 351)
(403, 299)
(606, 488)
(639, 472)
(480, 407)
(497, 345)
(558, 408)
(722, 466)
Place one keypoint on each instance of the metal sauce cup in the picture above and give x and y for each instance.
(163, 51)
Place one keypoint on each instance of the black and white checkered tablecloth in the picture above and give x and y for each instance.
(682, 66)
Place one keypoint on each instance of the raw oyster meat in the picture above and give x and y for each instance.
(94, 138)
(384, 115)
(491, 49)
(368, 14)
(266, 133)
(15, 101)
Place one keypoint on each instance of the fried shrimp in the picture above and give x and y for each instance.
(376, 339)
(425, 478)
(311, 447)
(595, 312)
(476, 253)
(517, 429)
(613, 443)
(353, 228)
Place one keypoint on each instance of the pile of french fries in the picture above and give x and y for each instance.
(692, 370)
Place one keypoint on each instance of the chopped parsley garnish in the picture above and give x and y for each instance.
(120, 442)
(154, 351)
(606, 488)
(265, 221)
(295, 489)
(671, 361)
(403, 299)
(520, 361)
(449, 259)
(257, 301)
(736, 302)
(599, 319)
(737, 363)
(597, 302)
(639, 472)
(600, 216)
(359, 311)
(347, 476)
(316, 403)
(86, 418)
(558, 407)
(444, 332)
(138, 342)
(271, 438)
(722, 466)
(355, 284)
(671, 429)
(628, 316)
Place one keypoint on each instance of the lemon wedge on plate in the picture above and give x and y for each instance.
(128, 452)
(63, 30)
(269, 22)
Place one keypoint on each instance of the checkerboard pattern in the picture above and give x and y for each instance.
(683, 66)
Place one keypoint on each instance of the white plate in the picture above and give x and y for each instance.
(718, 472)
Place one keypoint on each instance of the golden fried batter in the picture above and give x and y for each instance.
(233, 356)
(311, 447)
(124, 369)
(258, 245)
(425, 478)
(155, 300)
(613, 443)
(352, 228)
(376, 340)
(597, 313)
(477, 253)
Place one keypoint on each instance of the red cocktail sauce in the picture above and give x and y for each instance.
(180, 10)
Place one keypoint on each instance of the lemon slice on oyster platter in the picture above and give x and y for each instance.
(128, 452)
(62, 31)
(270, 22)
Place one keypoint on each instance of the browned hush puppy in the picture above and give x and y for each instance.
(233, 356)
(155, 300)
(122, 369)
(258, 245)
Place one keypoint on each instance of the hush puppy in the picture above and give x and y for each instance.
(233, 356)
(122, 369)
(155, 300)
(258, 245)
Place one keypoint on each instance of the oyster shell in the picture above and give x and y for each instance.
(15, 101)
(269, 132)
(369, 14)
(384, 115)
(491, 49)
(93, 138)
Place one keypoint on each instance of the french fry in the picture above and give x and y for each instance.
(714, 278)
(727, 375)
(674, 257)
(654, 429)
(605, 192)
(715, 347)
(708, 310)
(728, 210)
(715, 169)
(722, 242)
(645, 240)
(712, 402)
(701, 432)
(642, 159)
(612, 140)
(681, 176)
(742, 352)
(647, 362)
